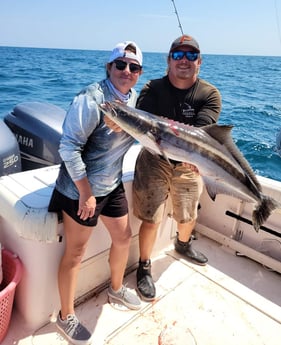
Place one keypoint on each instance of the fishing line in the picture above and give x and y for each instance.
(176, 12)
(277, 21)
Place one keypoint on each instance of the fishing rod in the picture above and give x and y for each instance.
(176, 12)
(277, 21)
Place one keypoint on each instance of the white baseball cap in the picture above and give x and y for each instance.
(120, 51)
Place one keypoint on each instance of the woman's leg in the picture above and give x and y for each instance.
(120, 233)
(76, 238)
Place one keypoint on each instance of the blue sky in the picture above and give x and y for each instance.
(247, 27)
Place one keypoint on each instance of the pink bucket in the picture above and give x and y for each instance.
(12, 272)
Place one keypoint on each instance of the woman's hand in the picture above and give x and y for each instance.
(87, 201)
(112, 125)
(87, 206)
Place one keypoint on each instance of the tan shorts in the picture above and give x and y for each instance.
(155, 179)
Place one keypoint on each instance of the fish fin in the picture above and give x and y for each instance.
(157, 154)
(149, 142)
(218, 132)
(156, 148)
(222, 133)
(212, 192)
(214, 188)
(263, 211)
(166, 158)
(151, 151)
(153, 147)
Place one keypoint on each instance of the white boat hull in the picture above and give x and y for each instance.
(30, 231)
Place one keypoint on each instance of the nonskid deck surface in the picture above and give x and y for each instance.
(232, 300)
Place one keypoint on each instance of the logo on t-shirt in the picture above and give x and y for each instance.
(187, 112)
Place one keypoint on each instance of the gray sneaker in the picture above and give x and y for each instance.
(124, 296)
(73, 330)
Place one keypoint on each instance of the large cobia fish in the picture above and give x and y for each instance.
(211, 148)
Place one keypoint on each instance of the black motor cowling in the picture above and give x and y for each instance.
(37, 127)
(9, 151)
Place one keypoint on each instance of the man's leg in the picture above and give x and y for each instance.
(183, 244)
(147, 237)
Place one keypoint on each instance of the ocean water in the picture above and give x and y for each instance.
(250, 88)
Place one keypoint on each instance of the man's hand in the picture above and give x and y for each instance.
(191, 167)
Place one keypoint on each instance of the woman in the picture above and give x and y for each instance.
(89, 184)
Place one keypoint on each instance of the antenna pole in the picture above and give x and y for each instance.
(176, 12)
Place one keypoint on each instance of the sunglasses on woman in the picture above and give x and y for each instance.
(133, 67)
(178, 55)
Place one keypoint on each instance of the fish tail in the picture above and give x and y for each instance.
(263, 211)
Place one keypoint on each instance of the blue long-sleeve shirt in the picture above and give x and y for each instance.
(88, 147)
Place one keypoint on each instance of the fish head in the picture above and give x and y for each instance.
(141, 125)
(131, 120)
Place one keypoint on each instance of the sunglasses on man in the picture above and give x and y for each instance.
(133, 67)
(179, 55)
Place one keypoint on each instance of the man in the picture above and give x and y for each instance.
(182, 96)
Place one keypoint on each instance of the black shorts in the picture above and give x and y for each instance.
(112, 205)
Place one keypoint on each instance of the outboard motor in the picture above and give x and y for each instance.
(9, 151)
(38, 129)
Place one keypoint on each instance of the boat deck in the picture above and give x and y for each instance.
(232, 300)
